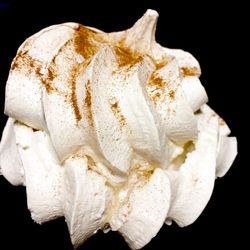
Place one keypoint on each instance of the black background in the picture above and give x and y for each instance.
(212, 33)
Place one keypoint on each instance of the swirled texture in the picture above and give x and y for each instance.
(111, 130)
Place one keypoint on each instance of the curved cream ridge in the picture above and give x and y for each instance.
(111, 130)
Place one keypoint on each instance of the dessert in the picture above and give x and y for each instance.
(111, 131)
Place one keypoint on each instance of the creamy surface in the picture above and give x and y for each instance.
(111, 131)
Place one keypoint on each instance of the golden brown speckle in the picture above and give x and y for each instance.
(171, 94)
(163, 62)
(86, 41)
(125, 57)
(157, 81)
(194, 71)
(88, 103)
(148, 173)
(24, 63)
(114, 105)
(74, 101)
(14, 64)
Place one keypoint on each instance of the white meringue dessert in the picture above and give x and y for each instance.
(111, 131)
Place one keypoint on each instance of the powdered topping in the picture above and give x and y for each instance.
(88, 103)
(74, 102)
(190, 71)
(125, 57)
(87, 41)
(157, 81)
(171, 94)
(114, 105)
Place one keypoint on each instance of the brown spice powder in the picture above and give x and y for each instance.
(15, 64)
(74, 100)
(171, 94)
(148, 173)
(157, 81)
(117, 111)
(86, 41)
(88, 103)
(156, 96)
(125, 57)
(51, 75)
(163, 62)
(24, 63)
(194, 71)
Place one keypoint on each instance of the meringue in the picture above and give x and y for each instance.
(111, 131)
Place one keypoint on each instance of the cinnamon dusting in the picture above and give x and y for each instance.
(163, 62)
(74, 101)
(148, 173)
(86, 41)
(14, 64)
(157, 83)
(156, 80)
(193, 71)
(51, 74)
(125, 56)
(114, 105)
(88, 103)
(25, 63)
(171, 94)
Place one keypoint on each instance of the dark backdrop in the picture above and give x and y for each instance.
(206, 30)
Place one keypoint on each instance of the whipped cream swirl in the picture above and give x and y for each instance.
(112, 131)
